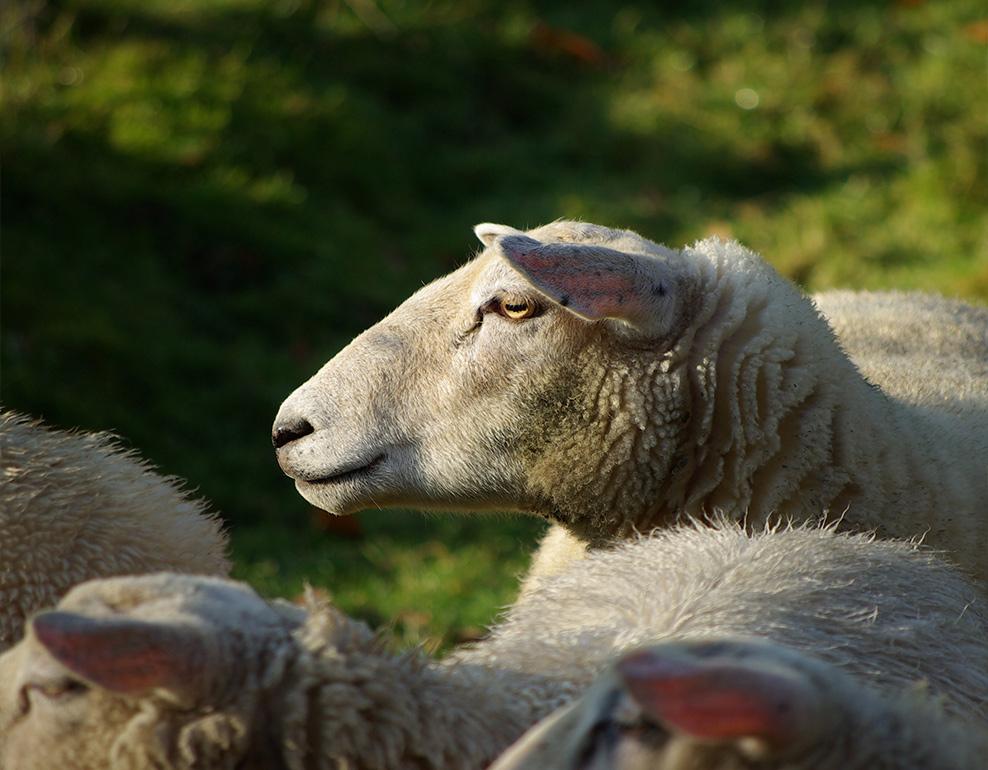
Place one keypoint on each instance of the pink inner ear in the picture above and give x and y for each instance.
(714, 700)
(594, 282)
(121, 655)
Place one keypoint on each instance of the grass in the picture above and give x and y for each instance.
(436, 582)
(204, 200)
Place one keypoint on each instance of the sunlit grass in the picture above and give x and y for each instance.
(436, 580)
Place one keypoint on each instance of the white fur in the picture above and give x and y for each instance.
(831, 722)
(888, 612)
(239, 684)
(264, 686)
(922, 348)
(76, 506)
(927, 350)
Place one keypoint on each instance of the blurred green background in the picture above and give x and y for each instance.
(203, 200)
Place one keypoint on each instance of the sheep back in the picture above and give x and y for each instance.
(75, 506)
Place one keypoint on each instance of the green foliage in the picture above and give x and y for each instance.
(204, 199)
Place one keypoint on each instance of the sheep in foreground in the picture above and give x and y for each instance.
(191, 673)
(75, 506)
(179, 672)
(888, 612)
(735, 705)
(612, 385)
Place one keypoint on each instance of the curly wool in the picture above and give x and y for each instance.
(275, 688)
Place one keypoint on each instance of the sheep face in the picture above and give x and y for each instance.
(135, 666)
(485, 389)
(712, 704)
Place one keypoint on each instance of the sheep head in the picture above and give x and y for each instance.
(137, 670)
(710, 704)
(514, 383)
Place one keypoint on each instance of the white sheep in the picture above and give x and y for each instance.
(921, 348)
(76, 506)
(731, 705)
(175, 672)
(888, 612)
(927, 350)
(905, 323)
(612, 385)
(185, 672)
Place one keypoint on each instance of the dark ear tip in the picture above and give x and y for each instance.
(49, 626)
(646, 662)
(45, 618)
(61, 633)
(517, 244)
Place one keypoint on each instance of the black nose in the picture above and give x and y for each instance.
(290, 431)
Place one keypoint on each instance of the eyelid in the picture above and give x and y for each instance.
(493, 305)
(497, 302)
(53, 690)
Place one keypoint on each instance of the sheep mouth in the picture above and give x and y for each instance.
(347, 474)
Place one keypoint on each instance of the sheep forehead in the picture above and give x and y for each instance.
(165, 597)
(27, 661)
(11, 662)
(442, 297)
(495, 276)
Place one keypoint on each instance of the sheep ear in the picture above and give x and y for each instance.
(487, 232)
(757, 708)
(122, 655)
(595, 282)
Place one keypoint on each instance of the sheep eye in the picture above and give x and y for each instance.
(59, 689)
(49, 690)
(516, 308)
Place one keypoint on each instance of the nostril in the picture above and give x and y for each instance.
(290, 431)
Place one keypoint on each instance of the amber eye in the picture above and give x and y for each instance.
(516, 308)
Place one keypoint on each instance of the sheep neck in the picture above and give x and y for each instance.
(346, 701)
(755, 413)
